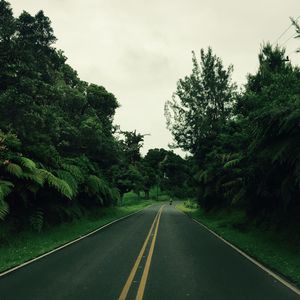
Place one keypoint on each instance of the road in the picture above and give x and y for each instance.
(181, 260)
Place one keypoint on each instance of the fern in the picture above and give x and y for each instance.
(232, 183)
(59, 184)
(27, 163)
(69, 178)
(5, 188)
(96, 185)
(35, 176)
(74, 171)
(14, 170)
(232, 163)
(4, 209)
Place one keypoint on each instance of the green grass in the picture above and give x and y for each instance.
(277, 249)
(28, 244)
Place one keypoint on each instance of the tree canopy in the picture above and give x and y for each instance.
(246, 144)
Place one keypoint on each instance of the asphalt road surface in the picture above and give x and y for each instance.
(158, 253)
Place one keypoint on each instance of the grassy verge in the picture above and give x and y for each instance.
(275, 249)
(27, 244)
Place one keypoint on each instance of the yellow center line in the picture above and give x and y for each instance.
(143, 282)
(137, 262)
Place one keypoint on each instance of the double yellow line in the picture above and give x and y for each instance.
(131, 276)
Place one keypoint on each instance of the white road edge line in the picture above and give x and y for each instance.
(69, 243)
(271, 273)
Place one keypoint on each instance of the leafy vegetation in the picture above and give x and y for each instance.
(245, 144)
(56, 135)
(61, 156)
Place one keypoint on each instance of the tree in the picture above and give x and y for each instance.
(201, 103)
(167, 170)
(132, 145)
(271, 107)
(63, 127)
(7, 44)
(152, 163)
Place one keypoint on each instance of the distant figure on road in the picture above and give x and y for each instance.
(171, 201)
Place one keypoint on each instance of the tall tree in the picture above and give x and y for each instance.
(64, 127)
(201, 103)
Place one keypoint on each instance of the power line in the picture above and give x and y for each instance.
(283, 34)
(293, 35)
(285, 31)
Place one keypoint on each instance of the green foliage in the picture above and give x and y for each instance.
(14, 169)
(27, 163)
(131, 145)
(57, 183)
(99, 188)
(249, 159)
(190, 204)
(5, 189)
(232, 163)
(168, 171)
(96, 185)
(201, 103)
(69, 179)
(56, 131)
(75, 171)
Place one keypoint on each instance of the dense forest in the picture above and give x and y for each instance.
(61, 155)
(245, 143)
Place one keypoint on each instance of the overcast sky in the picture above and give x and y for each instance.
(138, 49)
